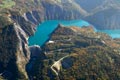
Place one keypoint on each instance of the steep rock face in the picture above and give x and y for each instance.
(14, 50)
(62, 10)
(14, 53)
(96, 12)
(27, 26)
(48, 10)
(36, 11)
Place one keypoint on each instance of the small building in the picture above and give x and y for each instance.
(51, 42)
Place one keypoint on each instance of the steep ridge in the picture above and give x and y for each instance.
(14, 53)
(14, 50)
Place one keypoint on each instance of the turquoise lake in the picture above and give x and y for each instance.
(46, 28)
(112, 33)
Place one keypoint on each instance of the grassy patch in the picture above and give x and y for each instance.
(7, 4)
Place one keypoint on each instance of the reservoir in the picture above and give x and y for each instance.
(46, 28)
(112, 33)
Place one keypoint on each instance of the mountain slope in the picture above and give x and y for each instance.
(106, 14)
(96, 12)
(89, 5)
(13, 53)
(14, 50)
(79, 53)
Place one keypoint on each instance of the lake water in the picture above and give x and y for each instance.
(112, 33)
(44, 29)
(47, 27)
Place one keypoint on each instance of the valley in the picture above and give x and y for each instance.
(59, 40)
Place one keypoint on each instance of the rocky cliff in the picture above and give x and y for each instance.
(96, 12)
(14, 53)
